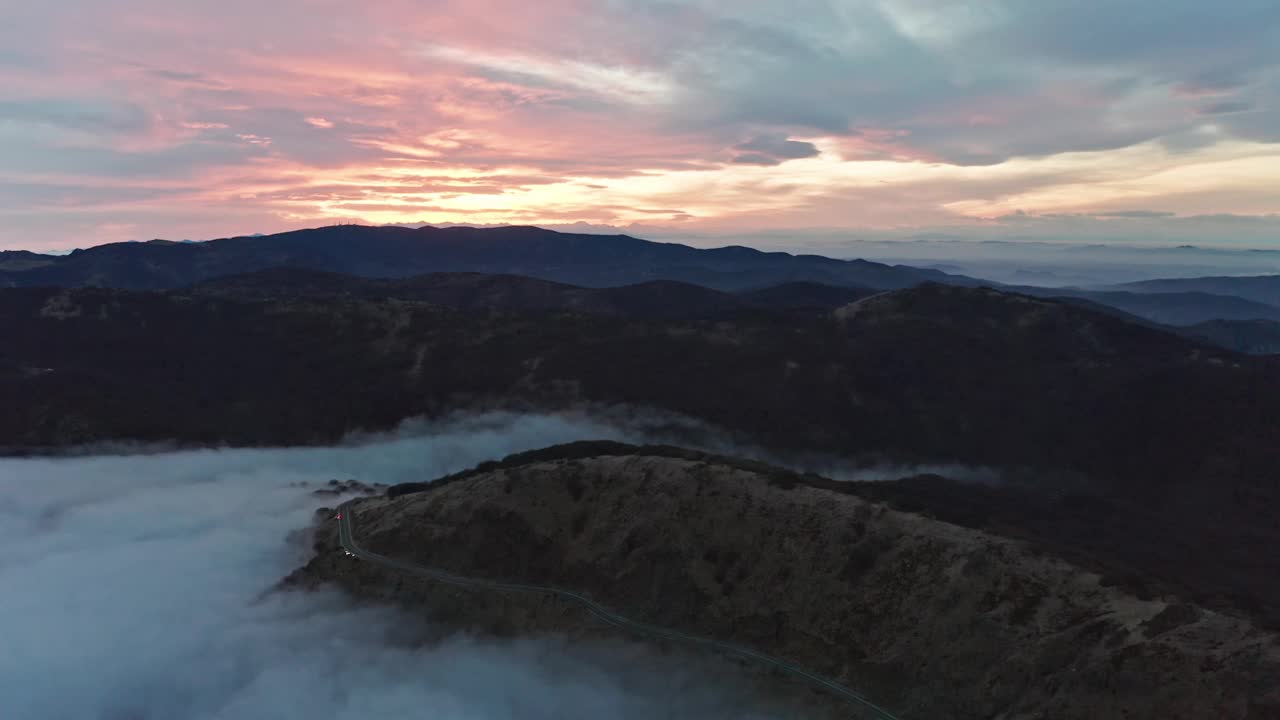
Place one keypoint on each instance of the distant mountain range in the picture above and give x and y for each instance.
(385, 257)
(395, 252)
(1259, 288)
(1189, 307)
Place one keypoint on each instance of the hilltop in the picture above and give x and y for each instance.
(927, 619)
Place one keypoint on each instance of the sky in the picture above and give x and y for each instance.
(1131, 120)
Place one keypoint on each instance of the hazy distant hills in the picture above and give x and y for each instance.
(1259, 288)
(1169, 308)
(394, 252)
(1238, 312)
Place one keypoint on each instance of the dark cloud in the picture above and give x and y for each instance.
(1226, 107)
(77, 114)
(755, 159)
(184, 77)
(1017, 79)
(9, 58)
(1174, 40)
(173, 162)
(773, 150)
(52, 197)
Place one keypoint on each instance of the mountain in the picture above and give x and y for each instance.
(1168, 308)
(1258, 337)
(930, 373)
(1127, 440)
(20, 260)
(1187, 308)
(395, 252)
(478, 292)
(925, 618)
(515, 293)
(655, 299)
(1258, 288)
(805, 295)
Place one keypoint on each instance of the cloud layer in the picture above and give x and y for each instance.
(133, 590)
(198, 119)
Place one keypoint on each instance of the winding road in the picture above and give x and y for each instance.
(346, 536)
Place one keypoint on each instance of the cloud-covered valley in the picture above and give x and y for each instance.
(138, 586)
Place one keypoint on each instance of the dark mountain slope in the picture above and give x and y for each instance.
(1129, 441)
(391, 252)
(470, 291)
(18, 260)
(805, 295)
(934, 373)
(514, 293)
(1258, 337)
(656, 299)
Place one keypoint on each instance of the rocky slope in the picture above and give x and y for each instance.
(931, 620)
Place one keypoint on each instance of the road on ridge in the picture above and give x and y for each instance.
(346, 536)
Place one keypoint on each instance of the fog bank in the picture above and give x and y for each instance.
(132, 587)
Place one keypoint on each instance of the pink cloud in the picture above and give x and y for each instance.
(252, 108)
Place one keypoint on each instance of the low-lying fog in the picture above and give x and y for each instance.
(132, 587)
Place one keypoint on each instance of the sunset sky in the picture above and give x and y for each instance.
(1133, 120)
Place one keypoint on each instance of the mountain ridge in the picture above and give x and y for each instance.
(1139, 437)
(391, 252)
(1258, 288)
(926, 618)
(978, 364)
(519, 293)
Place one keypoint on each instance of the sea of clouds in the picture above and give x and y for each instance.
(138, 586)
